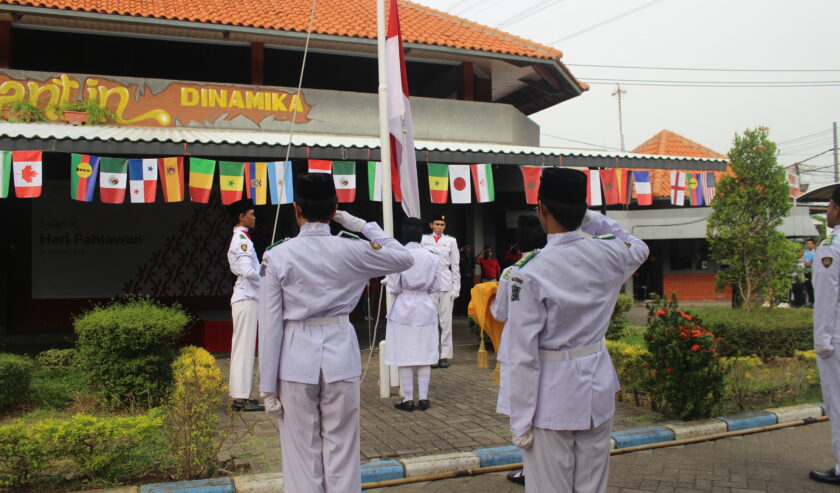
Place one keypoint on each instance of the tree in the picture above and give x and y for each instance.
(756, 259)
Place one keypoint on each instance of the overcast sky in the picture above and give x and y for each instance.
(731, 34)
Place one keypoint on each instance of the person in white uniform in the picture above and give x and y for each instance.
(449, 284)
(560, 306)
(243, 306)
(530, 238)
(411, 338)
(309, 353)
(826, 279)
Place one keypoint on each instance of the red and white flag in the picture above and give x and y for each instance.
(403, 161)
(319, 166)
(677, 188)
(459, 183)
(27, 168)
(593, 187)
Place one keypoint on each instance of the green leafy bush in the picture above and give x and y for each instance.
(766, 333)
(686, 374)
(56, 359)
(618, 321)
(126, 349)
(15, 376)
(629, 362)
(23, 455)
(55, 388)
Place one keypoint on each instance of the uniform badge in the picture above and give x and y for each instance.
(375, 246)
(627, 243)
(827, 261)
(514, 292)
(262, 269)
(244, 247)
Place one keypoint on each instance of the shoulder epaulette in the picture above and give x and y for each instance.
(526, 258)
(829, 240)
(605, 237)
(506, 273)
(347, 234)
(269, 247)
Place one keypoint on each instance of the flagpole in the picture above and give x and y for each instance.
(384, 131)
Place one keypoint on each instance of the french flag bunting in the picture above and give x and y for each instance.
(641, 181)
(142, 180)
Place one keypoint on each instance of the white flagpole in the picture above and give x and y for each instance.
(384, 131)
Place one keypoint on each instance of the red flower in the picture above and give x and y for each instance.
(660, 313)
(695, 347)
(669, 370)
(684, 315)
(654, 372)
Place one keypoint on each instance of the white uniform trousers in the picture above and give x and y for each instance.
(830, 383)
(242, 348)
(443, 304)
(569, 461)
(319, 436)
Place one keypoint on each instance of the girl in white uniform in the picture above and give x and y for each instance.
(411, 338)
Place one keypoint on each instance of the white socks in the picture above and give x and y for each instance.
(424, 374)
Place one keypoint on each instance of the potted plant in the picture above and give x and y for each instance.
(22, 111)
(87, 111)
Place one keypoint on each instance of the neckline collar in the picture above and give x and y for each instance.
(560, 238)
(314, 229)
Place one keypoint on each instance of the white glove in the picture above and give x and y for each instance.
(824, 351)
(453, 295)
(272, 404)
(349, 221)
(384, 281)
(525, 441)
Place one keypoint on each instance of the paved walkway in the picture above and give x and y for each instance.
(462, 416)
(772, 462)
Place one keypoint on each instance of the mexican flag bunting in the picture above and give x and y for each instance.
(344, 176)
(438, 182)
(593, 187)
(531, 176)
(201, 179)
(281, 182)
(27, 170)
(256, 175)
(172, 178)
(459, 181)
(142, 180)
(611, 186)
(5, 172)
(231, 180)
(83, 172)
(113, 179)
(483, 179)
(375, 181)
(320, 166)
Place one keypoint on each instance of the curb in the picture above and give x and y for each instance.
(386, 470)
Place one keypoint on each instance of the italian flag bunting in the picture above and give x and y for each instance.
(483, 179)
(344, 176)
(83, 172)
(27, 170)
(438, 182)
(5, 172)
(202, 172)
(375, 181)
(231, 181)
(113, 178)
(172, 178)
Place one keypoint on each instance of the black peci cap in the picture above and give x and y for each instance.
(563, 185)
(438, 217)
(240, 207)
(315, 186)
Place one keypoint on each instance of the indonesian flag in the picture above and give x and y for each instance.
(459, 181)
(375, 181)
(27, 169)
(438, 182)
(320, 166)
(531, 176)
(641, 179)
(344, 177)
(483, 179)
(593, 188)
(83, 172)
(142, 180)
(5, 172)
(677, 188)
(113, 179)
(403, 161)
(172, 178)
(612, 195)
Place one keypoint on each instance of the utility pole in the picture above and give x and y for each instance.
(618, 92)
(836, 170)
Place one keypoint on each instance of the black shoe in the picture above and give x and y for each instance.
(436, 365)
(423, 404)
(517, 477)
(246, 405)
(405, 406)
(829, 476)
(444, 363)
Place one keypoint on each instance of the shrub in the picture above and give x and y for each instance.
(193, 425)
(766, 333)
(56, 359)
(15, 376)
(741, 383)
(629, 361)
(619, 318)
(22, 455)
(55, 388)
(686, 373)
(126, 349)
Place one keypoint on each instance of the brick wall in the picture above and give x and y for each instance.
(694, 287)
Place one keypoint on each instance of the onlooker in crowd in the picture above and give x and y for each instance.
(511, 256)
(490, 267)
(808, 260)
(467, 267)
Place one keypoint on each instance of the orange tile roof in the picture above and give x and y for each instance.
(668, 143)
(350, 18)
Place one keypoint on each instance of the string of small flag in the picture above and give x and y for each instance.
(272, 181)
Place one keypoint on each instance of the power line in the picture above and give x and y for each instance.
(639, 67)
(812, 157)
(526, 13)
(804, 137)
(580, 142)
(611, 19)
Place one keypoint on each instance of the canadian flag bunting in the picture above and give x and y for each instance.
(27, 169)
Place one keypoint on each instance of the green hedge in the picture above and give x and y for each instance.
(618, 320)
(15, 376)
(764, 332)
(57, 359)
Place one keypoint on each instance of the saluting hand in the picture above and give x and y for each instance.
(349, 221)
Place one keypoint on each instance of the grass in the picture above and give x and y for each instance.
(634, 335)
(55, 389)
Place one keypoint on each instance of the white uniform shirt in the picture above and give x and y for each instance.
(415, 307)
(318, 275)
(826, 279)
(500, 309)
(563, 299)
(448, 257)
(245, 266)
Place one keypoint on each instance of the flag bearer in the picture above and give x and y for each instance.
(562, 408)
(309, 354)
(243, 305)
(449, 282)
(826, 279)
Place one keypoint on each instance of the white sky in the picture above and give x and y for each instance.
(734, 34)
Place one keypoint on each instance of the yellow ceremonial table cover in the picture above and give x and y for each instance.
(482, 296)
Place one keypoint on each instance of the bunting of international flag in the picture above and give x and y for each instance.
(172, 178)
(482, 174)
(281, 182)
(375, 181)
(256, 174)
(641, 181)
(142, 180)
(84, 170)
(677, 188)
(531, 181)
(27, 169)
(231, 180)
(5, 172)
(344, 177)
(202, 172)
(438, 183)
(113, 180)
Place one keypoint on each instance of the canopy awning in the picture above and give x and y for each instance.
(253, 145)
(821, 194)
